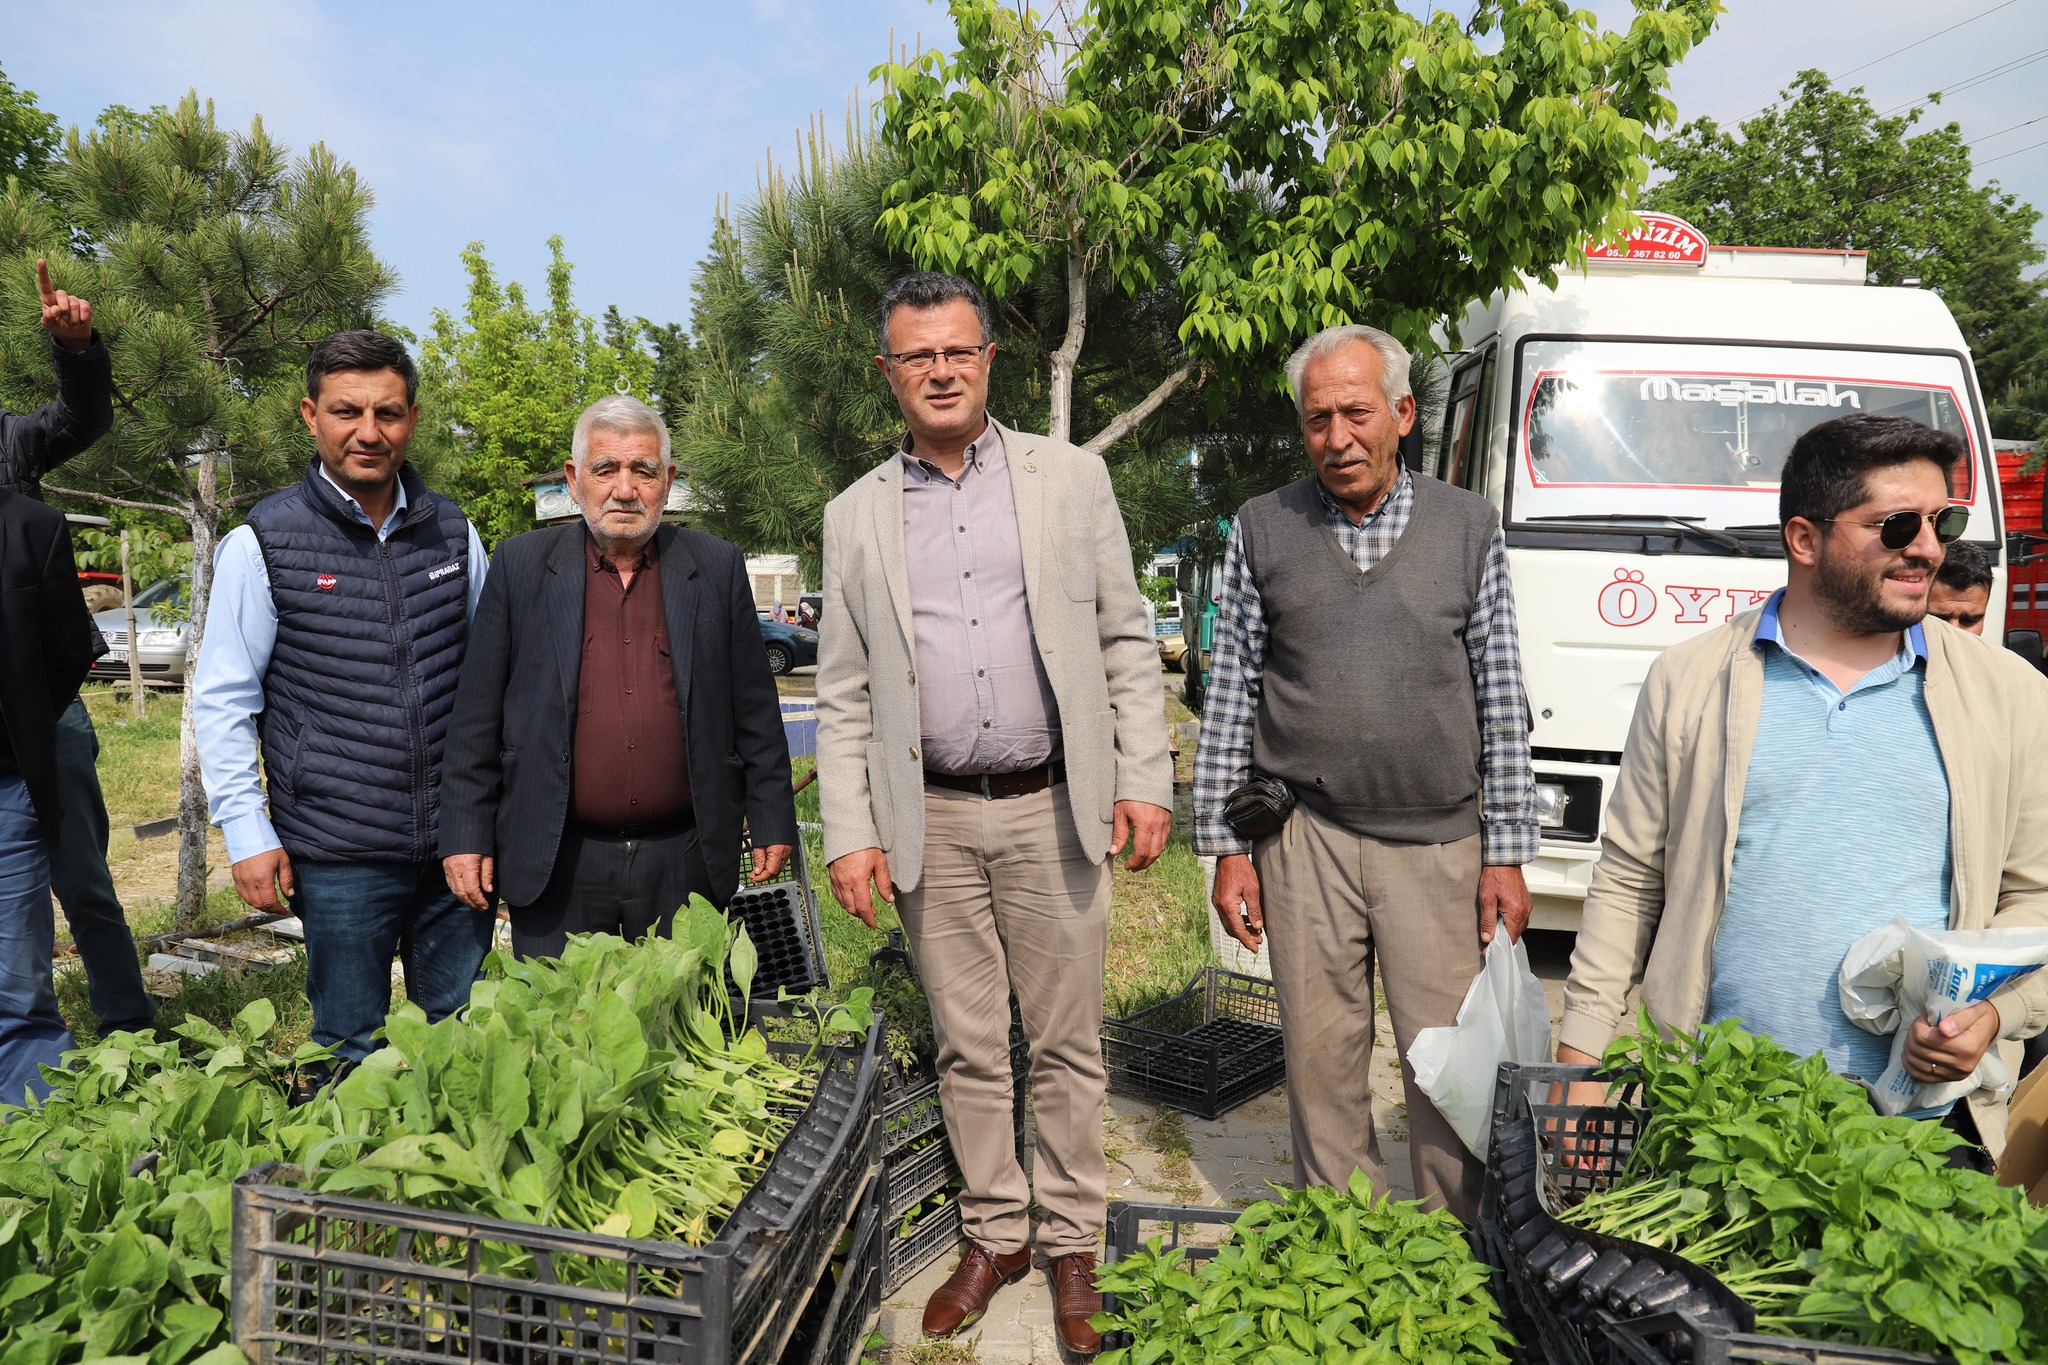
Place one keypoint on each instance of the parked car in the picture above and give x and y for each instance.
(160, 643)
(789, 647)
(1173, 651)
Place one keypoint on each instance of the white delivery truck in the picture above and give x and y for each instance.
(1630, 426)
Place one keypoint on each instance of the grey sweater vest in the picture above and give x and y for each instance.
(1366, 707)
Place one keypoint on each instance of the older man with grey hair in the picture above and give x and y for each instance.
(616, 722)
(1366, 666)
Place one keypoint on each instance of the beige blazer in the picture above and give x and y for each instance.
(1086, 614)
(1657, 893)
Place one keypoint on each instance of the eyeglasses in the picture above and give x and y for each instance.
(1901, 529)
(917, 362)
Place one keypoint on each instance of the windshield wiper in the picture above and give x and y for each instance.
(1712, 535)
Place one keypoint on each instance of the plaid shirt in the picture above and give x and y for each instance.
(1223, 759)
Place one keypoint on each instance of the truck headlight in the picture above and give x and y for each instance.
(1551, 799)
(156, 639)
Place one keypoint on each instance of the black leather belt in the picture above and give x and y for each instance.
(1000, 786)
(655, 830)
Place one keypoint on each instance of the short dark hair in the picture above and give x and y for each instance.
(928, 289)
(1824, 475)
(1967, 566)
(360, 350)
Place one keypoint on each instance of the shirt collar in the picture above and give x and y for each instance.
(984, 453)
(599, 564)
(1402, 483)
(1768, 631)
(397, 508)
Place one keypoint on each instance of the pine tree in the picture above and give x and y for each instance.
(215, 260)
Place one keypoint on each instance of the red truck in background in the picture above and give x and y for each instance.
(2026, 584)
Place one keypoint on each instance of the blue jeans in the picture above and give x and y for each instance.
(84, 888)
(357, 916)
(32, 1033)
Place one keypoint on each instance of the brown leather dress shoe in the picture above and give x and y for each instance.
(963, 1298)
(1074, 1301)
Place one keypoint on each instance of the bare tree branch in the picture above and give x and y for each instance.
(1126, 421)
(108, 500)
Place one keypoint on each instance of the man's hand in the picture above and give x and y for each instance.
(1145, 825)
(472, 877)
(851, 875)
(1943, 1053)
(265, 881)
(770, 860)
(1503, 899)
(1236, 899)
(66, 318)
(1579, 1095)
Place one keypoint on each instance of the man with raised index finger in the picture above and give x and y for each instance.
(1366, 659)
(990, 733)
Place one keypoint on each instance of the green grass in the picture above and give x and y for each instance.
(216, 999)
(138, 758)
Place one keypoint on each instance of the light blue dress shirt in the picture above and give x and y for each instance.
(227, 686)
(1845, 823)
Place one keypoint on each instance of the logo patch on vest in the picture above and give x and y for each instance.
(325, 582)
(442, 572)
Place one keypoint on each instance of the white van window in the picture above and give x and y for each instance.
(1461, 459)
(1702, 431)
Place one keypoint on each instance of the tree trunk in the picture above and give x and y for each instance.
(1061, 424)
(203, 515)
(1127, 421)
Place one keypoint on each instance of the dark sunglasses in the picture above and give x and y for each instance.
(1901, 529)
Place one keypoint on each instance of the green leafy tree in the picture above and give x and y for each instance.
(1822, 169)
(214, 260)
(788, 406)
(1272, 166)
(501, 387)
(29, 136)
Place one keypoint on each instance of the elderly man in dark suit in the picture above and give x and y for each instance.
(616, 720)
(47, 643)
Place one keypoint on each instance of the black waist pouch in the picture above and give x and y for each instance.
(1258, 808)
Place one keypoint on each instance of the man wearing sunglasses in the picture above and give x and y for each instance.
(1797, 777)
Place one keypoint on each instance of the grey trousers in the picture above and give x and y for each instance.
(1011, 903)
(1334, 903)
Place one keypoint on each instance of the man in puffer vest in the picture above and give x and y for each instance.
(333, 641)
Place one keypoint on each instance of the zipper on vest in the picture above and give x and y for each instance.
(409, 686)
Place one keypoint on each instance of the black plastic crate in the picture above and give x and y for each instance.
(1206, 1051)
(1583, 1299)
(908, 1252)
(915, 1173)
(1132, 1225)
(910, 1110)
(345, 1281)
(782, 921)
(858, 1294)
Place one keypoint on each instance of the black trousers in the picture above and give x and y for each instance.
(83, 886)
(614, 882)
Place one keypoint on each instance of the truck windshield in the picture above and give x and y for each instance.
(1699, 430)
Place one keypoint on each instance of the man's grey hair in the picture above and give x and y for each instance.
(623, 415)
(924, 289)
(1393, 359)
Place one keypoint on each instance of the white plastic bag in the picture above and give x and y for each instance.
(1898, 973)
(1505, 1018)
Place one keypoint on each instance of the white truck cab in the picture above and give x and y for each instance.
(1630, 425)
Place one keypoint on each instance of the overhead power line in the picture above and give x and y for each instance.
(1970, 82)
(2003, 155)
(2005, 4)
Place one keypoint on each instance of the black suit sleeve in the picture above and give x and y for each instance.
(32, 444)
(757, 719)
(69, 640)
(472, 759)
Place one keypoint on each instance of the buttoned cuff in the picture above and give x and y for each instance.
(249, 835)
(1508, 843)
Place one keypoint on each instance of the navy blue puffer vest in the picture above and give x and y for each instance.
(361, 682)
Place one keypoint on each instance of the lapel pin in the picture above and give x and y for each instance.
(1030, 469)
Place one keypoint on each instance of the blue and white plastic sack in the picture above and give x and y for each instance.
(1898, 973)
(1505, 1018)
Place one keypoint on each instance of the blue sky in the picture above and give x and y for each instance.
(619, 125)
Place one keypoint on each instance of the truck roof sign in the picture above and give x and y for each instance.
(1662, 239)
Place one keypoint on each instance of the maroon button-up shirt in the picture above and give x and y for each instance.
(629, 766)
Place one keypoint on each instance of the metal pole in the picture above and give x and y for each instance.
(128, 613)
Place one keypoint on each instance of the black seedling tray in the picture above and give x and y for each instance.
(1584, 1299)
(782, 921)
(1206, 1051)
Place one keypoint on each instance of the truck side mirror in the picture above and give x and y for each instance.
(2026, 644)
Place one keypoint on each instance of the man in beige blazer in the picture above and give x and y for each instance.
(990, 734)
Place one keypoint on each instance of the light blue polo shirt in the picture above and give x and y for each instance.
(1845, 823)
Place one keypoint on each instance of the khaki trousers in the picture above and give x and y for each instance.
(1010, 903)
(1334, 901)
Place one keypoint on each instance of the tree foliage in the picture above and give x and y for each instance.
(29, 136)
(1822, 169)
(1274, 166)
(214, 259)
(501, 387)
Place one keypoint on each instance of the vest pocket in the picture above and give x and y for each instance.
(286, 753)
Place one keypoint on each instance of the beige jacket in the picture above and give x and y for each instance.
(1657, 892)
(1087, 616)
